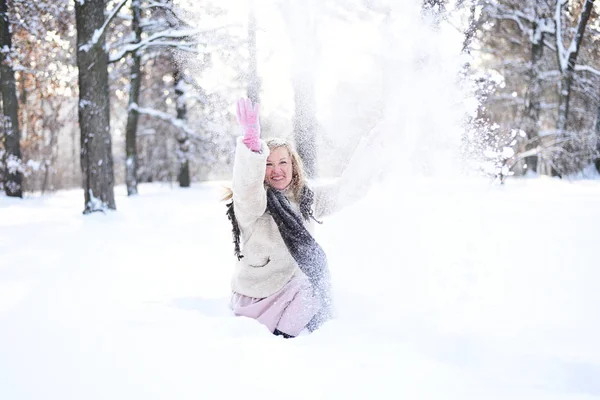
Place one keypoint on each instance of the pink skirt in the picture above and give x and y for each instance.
(287, 310)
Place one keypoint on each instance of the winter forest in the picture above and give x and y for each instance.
(159, 78)
(464, 263)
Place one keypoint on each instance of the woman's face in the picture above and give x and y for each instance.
(279, 169)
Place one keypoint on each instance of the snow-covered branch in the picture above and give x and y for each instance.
(517, 13)
(587, 68)
(567, 57)
(560, 46)
(166, 34)
(156, 4)
(98, 33)
(154, 23)
(510, 17)
(541, 28)
(171, 119)
(549, 43)
(187, 47)
(113, 14)
(536, 27)
(544, 150)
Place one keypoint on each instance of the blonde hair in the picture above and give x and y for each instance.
(298, 177)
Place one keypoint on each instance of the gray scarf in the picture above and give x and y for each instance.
(304, 248)
(309, 255)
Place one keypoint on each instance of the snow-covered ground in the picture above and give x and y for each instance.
(453, 290)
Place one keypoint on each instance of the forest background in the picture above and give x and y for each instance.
(97, 93)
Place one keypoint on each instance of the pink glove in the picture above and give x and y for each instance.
(248, 119)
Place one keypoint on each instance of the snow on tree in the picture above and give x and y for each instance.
(161, 30)
(514, 36)
(94, 104)
(13, 177)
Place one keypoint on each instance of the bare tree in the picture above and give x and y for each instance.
(182, 138)
(47, 91)
(94, 111)
(539, 28)
(10, 107)
(131, 159)
(521, 25)
(158, 27)
(567, 58)
(42, 32)
(528, 98)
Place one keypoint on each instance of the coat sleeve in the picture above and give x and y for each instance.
(326, 199)
(334, 196)
(249, 195)
(354, 183)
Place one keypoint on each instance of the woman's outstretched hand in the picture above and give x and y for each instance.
(247, 115)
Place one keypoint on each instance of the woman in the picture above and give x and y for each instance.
(281, 278)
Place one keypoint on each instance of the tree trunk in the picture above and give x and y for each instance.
(533, 99)
(182, 138)
(24, 125)
(564, 95)
(49, 162)
(567, 71)
(13, 183)
(94, 111)
(131, 163)
(253, 79)
(597, 130)
(50, 154)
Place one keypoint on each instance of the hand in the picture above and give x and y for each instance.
(248, 119)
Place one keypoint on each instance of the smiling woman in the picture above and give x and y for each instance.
(281, 278)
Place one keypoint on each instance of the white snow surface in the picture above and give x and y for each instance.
(444, 290)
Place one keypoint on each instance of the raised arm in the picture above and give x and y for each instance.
(326, 198)
(249, 196)
(354, 183)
